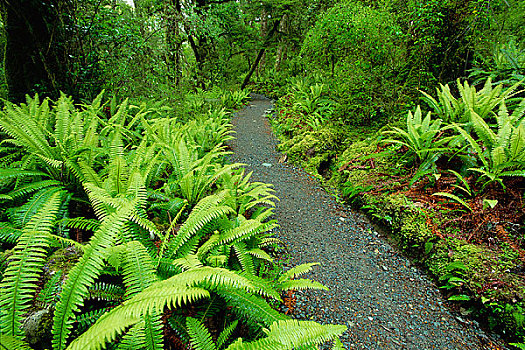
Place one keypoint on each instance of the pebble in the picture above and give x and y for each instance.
(368, 279)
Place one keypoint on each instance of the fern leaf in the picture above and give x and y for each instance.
(297, 271)
(22, 215)
(32, 187)
(81, 223)
(205, 211)
(15, 173)
(105, 291)
(294, 334)
(188, 262)
(8, 233)
(301, 284)
(84, 273)
(226, 334)
(160, 295)
(260, 254)
(254, 309)
(8, 342)
(48, 295)
(138, 268)
(262, 286)
(200, 337)
(63, 119)
(246, 230)
(134, 338)
(244, 258)
(153, 331)
(25, 266)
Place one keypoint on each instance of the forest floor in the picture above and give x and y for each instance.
(386, 302)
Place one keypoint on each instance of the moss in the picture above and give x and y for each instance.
(407, 222)
(314, 150)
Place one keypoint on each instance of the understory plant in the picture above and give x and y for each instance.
(159, 240)
(484, 130)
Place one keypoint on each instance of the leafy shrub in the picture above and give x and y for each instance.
(178, 234)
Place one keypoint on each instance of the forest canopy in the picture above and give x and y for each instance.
(124, 225)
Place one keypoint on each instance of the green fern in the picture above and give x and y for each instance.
(84, 274)
(9, 233)
(200, 337)
(49, 293)
(292, 334)
(23, 214)
(178, 290)
(207, 209)
(25, 266)
(252, 308)
(8, 342)
(87, 319)
(105, 291)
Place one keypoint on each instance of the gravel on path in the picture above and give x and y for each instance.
(385, 301)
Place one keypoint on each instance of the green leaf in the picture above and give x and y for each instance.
(454, 198)
(460, 297)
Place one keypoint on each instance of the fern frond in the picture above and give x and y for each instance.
(32, 187)
(134, 338)
(262, 286)
(9, 233)
(83, 274)
(205, 211)
(15, 173)
(244, 258)
(9, 342)
(260, 254)
(297, 271)
(110, 325)
(292, 334)
(300, 284)
(106, 292)
(80, 223)
(87, 319)
(252, 308)
(24, 269)
(49, 293)
(138, 268)
(23, 214)
(295, 334)
(153, 331)
(267, 241)
(200, 337)
(226, 334)
(246, 230)
(188, 262)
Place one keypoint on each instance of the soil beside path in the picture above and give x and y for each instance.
(385, 301)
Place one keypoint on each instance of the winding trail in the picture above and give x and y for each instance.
(385, 301)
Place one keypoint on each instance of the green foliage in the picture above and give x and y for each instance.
(203, 248)
(23, 271)
(420, 137)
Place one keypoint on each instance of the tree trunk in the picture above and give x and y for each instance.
(174, 41)
(281, 49)
(34, 58)
(261, 53)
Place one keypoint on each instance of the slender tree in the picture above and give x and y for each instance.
(36, 53)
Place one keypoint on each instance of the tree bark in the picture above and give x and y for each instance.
(174, 41)
(34, 59)
(261, 53)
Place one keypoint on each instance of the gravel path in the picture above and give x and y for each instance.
(385, 301)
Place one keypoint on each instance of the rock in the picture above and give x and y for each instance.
(37, 327)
